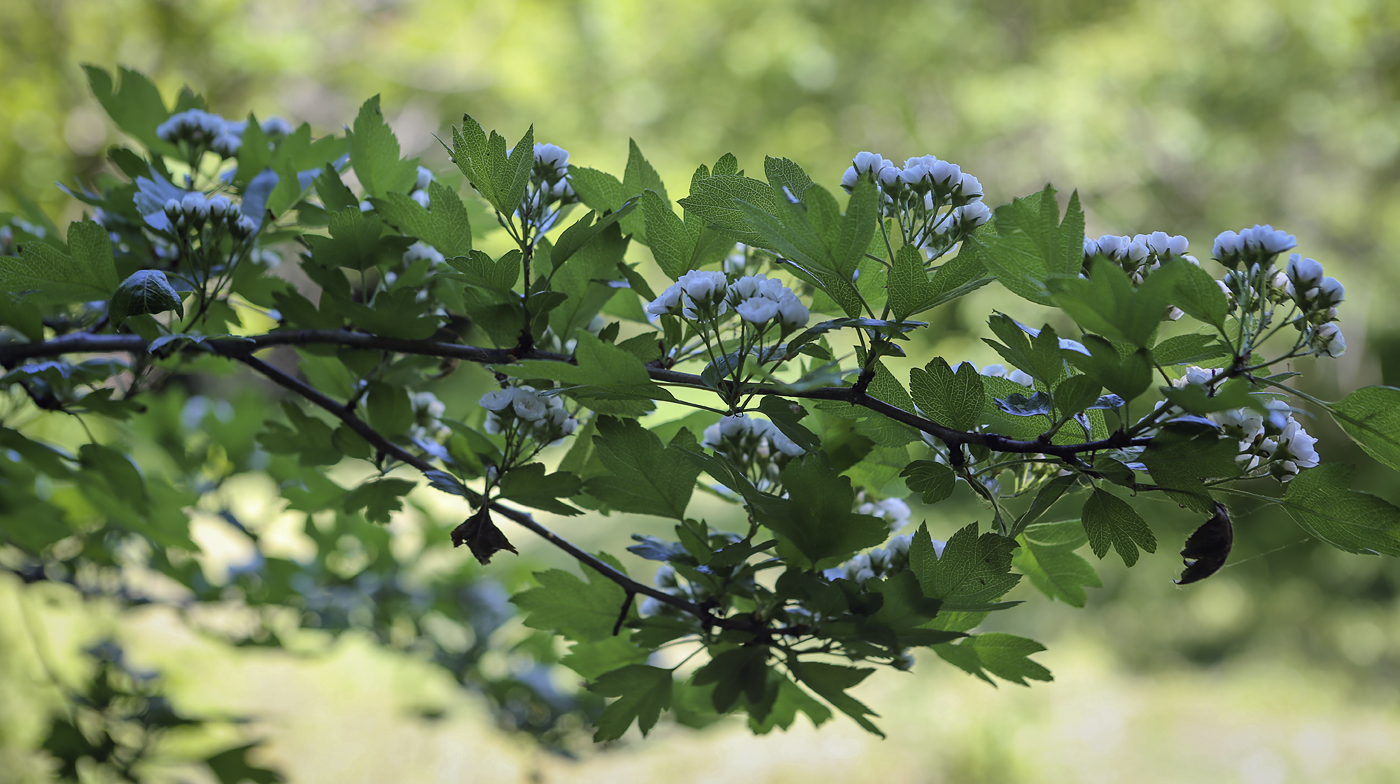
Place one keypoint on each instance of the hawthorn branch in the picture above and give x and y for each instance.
(524, 519)
(236, 348)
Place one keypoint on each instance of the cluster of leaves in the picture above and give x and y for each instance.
(773, 617)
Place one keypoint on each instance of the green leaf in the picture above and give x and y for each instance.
(951, 399)
(379, 498)
(781, 173)
(479, 269)
(1109, 520)
(1076, 394)
(45, 275)
(1047, 557)
(597, 189)
(529, 485)
(934, 480)
(471, 151)
(1182, 458)
(715, 200)
(816, 517)
(374, 154)
(638, 178)
(146, 291)
(356, 241)
(608, 379)
(830, 682)
(1371, 416)
(908, 284)
(1231, 395)
(1003, 655)
(512, 173)
(593, 659)
(1198, 295)
(564, 604)
(647, 477)
(232, 767)
(1193, 348)
(135, 106)
(670, 243)
(582, 232)
(1125, 375)
(1018, 253)
(1320, 501)
(445, 226)
(858, 227)
(972, 572)
(389, 409)
(642, 692)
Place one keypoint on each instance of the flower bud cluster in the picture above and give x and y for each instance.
(1272, 443)
(201, 129)
(1140, 255)
(549, 187)
(1317, 297)
(892, 510)
(696, 296)
(759, 299)
(755, 445)
(427, 417)
(526, 411)
(880, 562)
(195, 210)
(1255, 245)
(420, 187)
(935, 202)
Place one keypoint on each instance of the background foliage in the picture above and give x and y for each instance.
(1185, 117)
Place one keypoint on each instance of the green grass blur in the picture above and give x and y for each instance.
(1190, 117)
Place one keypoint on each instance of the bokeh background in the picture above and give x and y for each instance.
(1191, 117)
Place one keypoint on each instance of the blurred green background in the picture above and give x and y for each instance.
(1190, 117)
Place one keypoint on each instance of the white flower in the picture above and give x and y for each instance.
(219, 205)
(1268, 239)
(1305, 273)
(1162, 243)
(865, 163)
(276, 127)
(667, 303)
(792, 314)
(1228, 244)
(759, 310)
(422, 197)
(551, 160)
(893, 511)
(425, 177)
(968, 186)
(1330, 293)
(1091, 248)
(226, 144)
(195, 206)
(497, 399)
(704, 288)
(1300, 445)
(736, 260)
(422, 250)
(1196, 375)
(1328, 340)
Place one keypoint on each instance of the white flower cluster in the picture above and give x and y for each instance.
(917, 193)
(422, 250)
(199, 128)
(195, 210)
(420, 187)
(549, 187)
(541, 417)
(1139, 254)
(892, 510)
(880, 562)
(757, 445)
(707, 295)
(1272, 443)
(1317, 297)
(1250, 246)
(427, 417)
